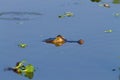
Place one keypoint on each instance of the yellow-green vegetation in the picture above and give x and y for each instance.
(108, 31)
(22, 45)
(29, 71)
(116, 1)
(23, 68)
(68, 14)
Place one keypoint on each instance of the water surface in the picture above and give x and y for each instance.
(94, 60)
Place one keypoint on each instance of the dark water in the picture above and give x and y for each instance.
(94, 60)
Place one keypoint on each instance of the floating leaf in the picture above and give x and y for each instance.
(21, 68)
(68, 14)
(29, 68)
(29, 71)
(22, 45)
(108, 31)
(29, 75)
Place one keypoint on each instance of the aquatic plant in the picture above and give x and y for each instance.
(116, 2)
(29, 71)
(22, 45)
(108, 31)
(21, 68)
(66, 14)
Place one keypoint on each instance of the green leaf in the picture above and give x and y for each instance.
(29, 71)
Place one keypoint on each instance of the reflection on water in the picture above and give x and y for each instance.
(93, 60)
(18, 15)
(14, 18)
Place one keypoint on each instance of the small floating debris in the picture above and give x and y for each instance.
(113, 69)
(108, 31)
(61, 16)
(22, 45)
(23, 69)
(66, 14)
(106, 5)
(59, 40)
(117, 14)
